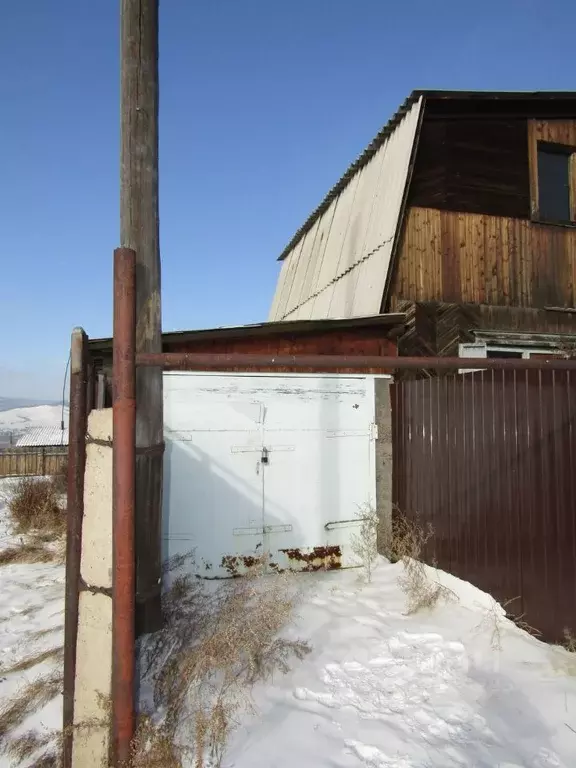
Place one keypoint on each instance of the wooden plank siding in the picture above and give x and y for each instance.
(472, 165)
(437, 328)
(370, 342)
(482, 259)
(359, 341)
(471, 233)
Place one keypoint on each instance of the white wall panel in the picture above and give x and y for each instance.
(265, 464)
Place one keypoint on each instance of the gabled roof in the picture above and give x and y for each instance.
(331, 270)
(388, 128)
(336, 263)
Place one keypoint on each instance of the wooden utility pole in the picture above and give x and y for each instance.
(139, 230)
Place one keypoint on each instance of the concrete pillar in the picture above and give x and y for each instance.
(384, 462)
(94, 647)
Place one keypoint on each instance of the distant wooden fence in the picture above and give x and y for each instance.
(17, 462)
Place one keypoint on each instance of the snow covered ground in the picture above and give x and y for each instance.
(455, 686)
(31, 622)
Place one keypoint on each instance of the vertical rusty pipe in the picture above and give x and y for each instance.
(75, 512)
(124, 496)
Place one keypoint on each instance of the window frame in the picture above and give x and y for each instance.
(480, 349)
(543, 134)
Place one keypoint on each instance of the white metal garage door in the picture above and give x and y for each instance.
(276, 464)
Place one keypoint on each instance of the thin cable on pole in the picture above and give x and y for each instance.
(64, 400)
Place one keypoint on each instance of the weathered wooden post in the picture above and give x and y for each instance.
(139, 230)
(75, 512)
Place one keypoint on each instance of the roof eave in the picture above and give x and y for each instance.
(384, 320)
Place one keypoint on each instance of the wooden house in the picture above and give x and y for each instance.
(461, 214)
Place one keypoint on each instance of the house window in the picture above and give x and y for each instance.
(554, 183)
(503, 353)
(481, 349)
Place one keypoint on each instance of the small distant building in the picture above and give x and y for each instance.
(43, 437)
(39, 451)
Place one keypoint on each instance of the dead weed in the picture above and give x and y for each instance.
(28, 662)
(364, 543)
(407, 542)
(22, 748)
(35, 507)
(217, 645)
(27, 552)
(27, 700)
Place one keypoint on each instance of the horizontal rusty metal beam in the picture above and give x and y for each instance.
(204, 361)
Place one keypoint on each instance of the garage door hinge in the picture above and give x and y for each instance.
(373, 431)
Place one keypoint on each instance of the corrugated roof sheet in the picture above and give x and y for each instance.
(337, 263)
(352, 169)
(43, 436)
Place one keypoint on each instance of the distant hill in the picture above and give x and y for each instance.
(8, 403)
(17, 420)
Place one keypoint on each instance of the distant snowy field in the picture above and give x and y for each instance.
(456, 686)
(18, 420)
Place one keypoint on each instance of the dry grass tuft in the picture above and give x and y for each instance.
(52, 654)
(27, 552)
(569, 640)
(153, 746)
(41, 633)
(364, 544)
(524, 626)
(565, 662)
(408, 538)
(22, 748)
(407, 543)
(495, 621)
(51, 759)
(492, 621)
(204, 665)
(34, 695)
(35, 507)
(60, 480)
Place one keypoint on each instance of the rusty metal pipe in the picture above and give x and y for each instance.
(75, 513)
(204, 361)
(124, 502)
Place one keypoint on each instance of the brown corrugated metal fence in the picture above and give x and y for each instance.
(487, 459)
(39, 461)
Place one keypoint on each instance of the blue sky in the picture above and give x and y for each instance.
(263, 104)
